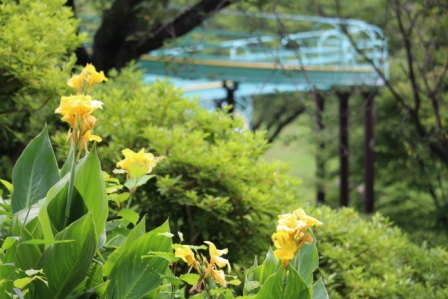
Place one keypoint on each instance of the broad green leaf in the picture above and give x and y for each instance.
(90, 184)
(25, 256)
(307, 261)
(319, 291)
(276, 287)
(22, 257)
(133, 277)
(94, 293)
(190, 278)
(269, 266)
(35, 172)
(57, 206)
(129, 215)
(66, 264)
(137, 232)
(44, 217)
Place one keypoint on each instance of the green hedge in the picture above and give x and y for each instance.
(374, 259)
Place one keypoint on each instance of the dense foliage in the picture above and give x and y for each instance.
(35, 45)
(362, 258)
(214, 184)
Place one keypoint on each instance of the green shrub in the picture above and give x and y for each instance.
(34, 45)
(214, 184)
(374, 259)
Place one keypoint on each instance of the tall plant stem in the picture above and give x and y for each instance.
(285, 279)
(71, 185)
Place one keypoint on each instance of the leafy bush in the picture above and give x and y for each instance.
(214, 184)
(34, 45)
(374, 259)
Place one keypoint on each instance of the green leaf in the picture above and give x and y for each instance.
(169, 256)
(119, 198)
(56, 208)
(94, 293)
(136, 182)
(133, 277)
(35, 172)
(136, 232)
(8, 186)
(269, 266)
(129, 215)
(66, 264)
(44, 217)
(90, 184)
(307, 261)
(190, 278)
(274, 288)
(137, 170)
(8, 243)
(319, 291)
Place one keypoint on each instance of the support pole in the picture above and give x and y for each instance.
(344, 198)
(320, 165)
(230, 87)
(369, 150)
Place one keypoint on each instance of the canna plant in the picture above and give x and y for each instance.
(72, 232)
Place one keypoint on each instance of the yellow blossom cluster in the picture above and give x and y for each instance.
(77, 109)
(290, 235)
(144, 160)
(84, 82)
(206, 269)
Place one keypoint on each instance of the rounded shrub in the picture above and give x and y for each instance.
(213, 184)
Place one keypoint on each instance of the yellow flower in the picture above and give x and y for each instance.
(310, 221)
(144, 160)
(84, 82)
(218, 276)
(79, 108)
(215, 256)
(77, 111)
(88, 137)
(289, 223)
(290, 235)
(186, 255)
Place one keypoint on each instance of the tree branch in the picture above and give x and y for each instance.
(114, 49)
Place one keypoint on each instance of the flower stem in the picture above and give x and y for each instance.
(285, 279)
(71, 184)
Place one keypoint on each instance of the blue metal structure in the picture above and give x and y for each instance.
(226, 58)
(332, 53)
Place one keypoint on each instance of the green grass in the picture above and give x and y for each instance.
(299, 154)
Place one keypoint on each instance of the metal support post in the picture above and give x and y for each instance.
(344, 198)
(369, 150)
(320, 163)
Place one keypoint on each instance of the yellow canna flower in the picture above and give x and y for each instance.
(290, 236)
(84, 82)
(80, 108)
(218, 276)
(215, 256)
(186, 254)
(310, 221)
(146, 160)
(77, 111)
